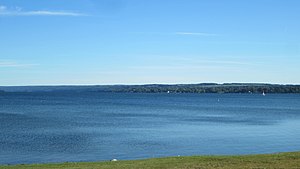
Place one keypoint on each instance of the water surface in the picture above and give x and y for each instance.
(44, 127)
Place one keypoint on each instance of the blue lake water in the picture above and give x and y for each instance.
(58, 127)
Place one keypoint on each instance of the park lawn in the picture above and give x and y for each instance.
(289, 160)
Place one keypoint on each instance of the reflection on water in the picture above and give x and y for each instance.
(57, 127)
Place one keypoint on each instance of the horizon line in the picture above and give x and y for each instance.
(143, 84)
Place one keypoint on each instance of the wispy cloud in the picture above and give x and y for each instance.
(196, 33)
(15, 64)
(203, 60)
(182, 68)
(177, 33)
(17, 11)
(218, 62)
(181, 65)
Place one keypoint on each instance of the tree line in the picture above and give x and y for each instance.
(159, 88)
(216, 88)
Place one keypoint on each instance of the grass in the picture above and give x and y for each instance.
(281, 160)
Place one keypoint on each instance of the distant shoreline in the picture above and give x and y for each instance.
(163, 88)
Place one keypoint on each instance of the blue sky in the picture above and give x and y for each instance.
(53, 42)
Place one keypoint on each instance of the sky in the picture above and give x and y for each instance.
(99, 42)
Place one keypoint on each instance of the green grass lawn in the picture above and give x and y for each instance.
(281, 160)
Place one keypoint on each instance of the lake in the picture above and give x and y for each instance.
(40, 127)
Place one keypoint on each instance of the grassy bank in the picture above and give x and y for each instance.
(281, 160)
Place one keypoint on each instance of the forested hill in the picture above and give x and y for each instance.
(209, 88)
(159, 88)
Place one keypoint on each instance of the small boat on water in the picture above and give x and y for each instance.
(263, 93)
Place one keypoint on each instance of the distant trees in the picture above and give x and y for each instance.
(209, 88)
(157, 88)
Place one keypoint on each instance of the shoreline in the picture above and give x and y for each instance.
(276, 160)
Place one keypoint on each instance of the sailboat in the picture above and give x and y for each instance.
(263, 93)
